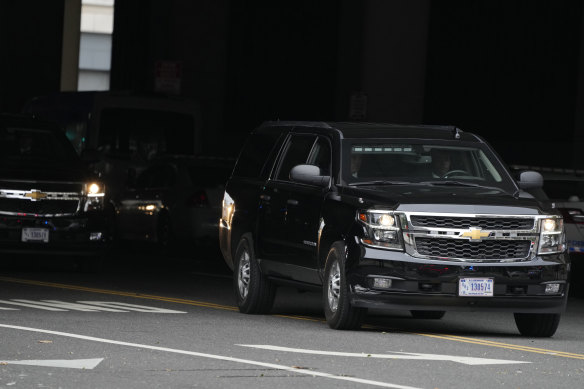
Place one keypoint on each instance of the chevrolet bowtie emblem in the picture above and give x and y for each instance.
(35, 195)
(475, 234)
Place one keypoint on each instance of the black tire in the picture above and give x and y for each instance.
(339, 313)
(435, 315)
(538, 325)
(254, 293)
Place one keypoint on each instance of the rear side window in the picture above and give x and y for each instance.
(257, 155)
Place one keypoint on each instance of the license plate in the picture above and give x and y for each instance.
(35, 235)
(475, 287)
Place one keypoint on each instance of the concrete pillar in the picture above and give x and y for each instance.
(70, 52)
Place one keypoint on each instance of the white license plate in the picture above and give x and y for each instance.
(35, 235)
(475, 287)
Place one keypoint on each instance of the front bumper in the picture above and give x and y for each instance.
(87, 235)
(420, 284)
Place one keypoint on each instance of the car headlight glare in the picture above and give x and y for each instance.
(549, 225)
(228, 208)
(381, 229)
(552, 238)
(94, 189)
(95, 192)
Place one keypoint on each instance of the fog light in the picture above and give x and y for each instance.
(95, 235)
(552, 288)
(382, 283)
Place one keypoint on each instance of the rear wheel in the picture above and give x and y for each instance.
(540, 325)
(253, 291)
(339, 312)
(427, 314)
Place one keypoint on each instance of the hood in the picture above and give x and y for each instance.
(438, 199)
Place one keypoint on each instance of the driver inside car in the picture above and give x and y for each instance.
(441, 162)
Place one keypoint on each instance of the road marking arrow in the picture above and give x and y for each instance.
(395, 355)
(65, 363)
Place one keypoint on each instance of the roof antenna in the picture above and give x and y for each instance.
(457, 132)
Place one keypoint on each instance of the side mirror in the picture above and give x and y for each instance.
(530, 180)
(309, 174)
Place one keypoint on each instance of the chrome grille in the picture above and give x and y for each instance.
(465, 249)
(485, 223)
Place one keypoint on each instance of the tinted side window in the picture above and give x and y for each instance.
(296, 153)
(256, 152)
(160, 176)
(321, 156)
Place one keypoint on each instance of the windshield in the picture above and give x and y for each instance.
(431, 164)
(23, 146)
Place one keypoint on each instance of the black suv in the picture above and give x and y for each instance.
(49, 202)
(421, 218)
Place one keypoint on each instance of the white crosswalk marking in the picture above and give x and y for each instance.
(33, 305)
(130, 307)
(83, 306)
(70, 306)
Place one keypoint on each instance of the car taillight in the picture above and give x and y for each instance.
(198, 199)
(572, 215)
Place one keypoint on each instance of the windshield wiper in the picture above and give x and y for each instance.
(460, 183)
(379, 182)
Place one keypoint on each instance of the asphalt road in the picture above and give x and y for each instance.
(149, 322)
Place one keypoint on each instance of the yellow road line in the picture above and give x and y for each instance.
(118, 293)
(232, 308)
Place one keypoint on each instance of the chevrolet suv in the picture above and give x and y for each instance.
(49, 202)
(422, 218)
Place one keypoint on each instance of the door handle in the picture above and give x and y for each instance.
(265, 197)
(292, 202)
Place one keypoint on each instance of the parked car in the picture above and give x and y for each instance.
(564, 189)
(50, 203)
(419, 218)
(175, 203)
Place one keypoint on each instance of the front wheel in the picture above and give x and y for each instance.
(253, 291)
(339, 312)
(540, 325)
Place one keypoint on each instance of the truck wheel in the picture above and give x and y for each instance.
(339, 312)
(540, 325)
(427, 314)
(253, 291)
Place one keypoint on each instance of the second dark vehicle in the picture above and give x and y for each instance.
(50, 202)
(421, 218)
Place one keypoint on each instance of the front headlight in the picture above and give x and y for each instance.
(95, 193)
(552, 239)
(228, 208)
(381, 229)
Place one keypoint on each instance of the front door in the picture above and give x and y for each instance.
(289, 235)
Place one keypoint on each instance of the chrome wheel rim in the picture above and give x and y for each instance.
(243, 275)
(334, 286)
